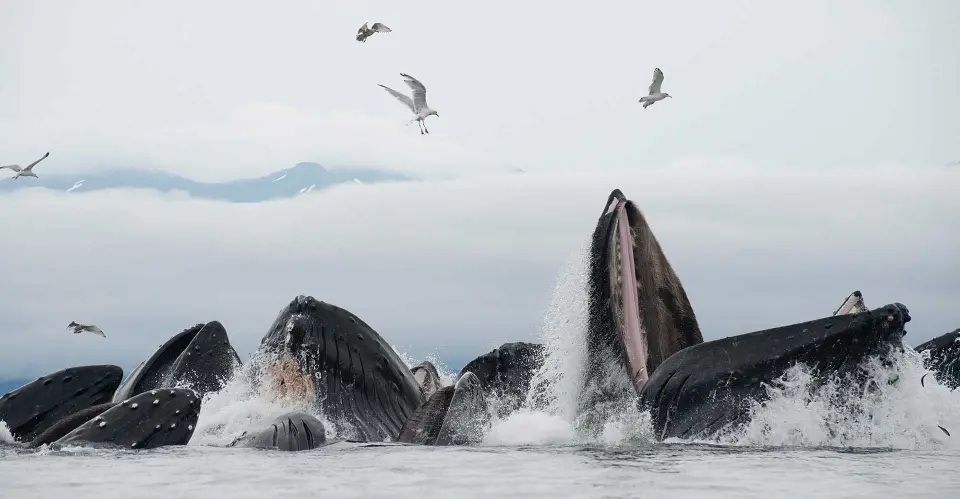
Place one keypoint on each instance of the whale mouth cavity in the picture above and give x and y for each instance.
(625, 294)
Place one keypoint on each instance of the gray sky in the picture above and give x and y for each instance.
(801, 157)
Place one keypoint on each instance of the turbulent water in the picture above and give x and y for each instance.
(799, 444)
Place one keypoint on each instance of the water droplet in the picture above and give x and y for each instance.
(156, 401)
(153, 392)
(103, 423)
(190, 427)
(134, 405)
(173, 425)
(133, 444)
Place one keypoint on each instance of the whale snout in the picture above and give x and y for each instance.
(303, 304)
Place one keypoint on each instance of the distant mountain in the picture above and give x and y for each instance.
(302, 178)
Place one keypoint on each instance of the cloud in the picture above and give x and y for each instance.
(180, 86)
(457, 267)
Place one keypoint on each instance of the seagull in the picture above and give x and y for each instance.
(418, 104)
(25, 172)
(655, 93)
(364, 32)
(79, 328)
(76, 185)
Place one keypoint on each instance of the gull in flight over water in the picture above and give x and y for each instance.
(79, 328)
(418, 104)
(655, 93)
(25, 172)
(364, 32)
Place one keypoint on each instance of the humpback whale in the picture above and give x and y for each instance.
(454, 415)
(944, 358)
(702, 389)
(35, 407)
(506, 372)
(152, 419)
(200, 356)
(359, 379)
(293, 431)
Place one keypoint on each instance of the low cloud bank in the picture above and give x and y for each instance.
(458, 267)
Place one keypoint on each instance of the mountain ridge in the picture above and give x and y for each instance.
(302, 178)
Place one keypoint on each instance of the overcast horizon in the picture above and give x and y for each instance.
(803, 155)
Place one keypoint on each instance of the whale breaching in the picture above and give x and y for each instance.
(418, 104)
(90, 328)
(364, 32)
(655, 93)
(28, 171)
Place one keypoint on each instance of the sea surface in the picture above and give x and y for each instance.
(891, 442)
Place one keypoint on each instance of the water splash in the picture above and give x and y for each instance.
(246, 403)
(555, 386)
(547, 413)
(898, 413)
(5, 435)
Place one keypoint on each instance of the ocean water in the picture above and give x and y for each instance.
(799, 444)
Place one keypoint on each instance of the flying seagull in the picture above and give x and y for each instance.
(79, 328)
(76, 185)
(25, 172)
(418, 104)
(364, 32)
(655, 93)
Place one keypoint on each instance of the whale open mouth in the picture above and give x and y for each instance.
(639, 312)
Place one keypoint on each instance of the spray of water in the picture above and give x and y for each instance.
(897, 413)
(5, 436)
(247, 403)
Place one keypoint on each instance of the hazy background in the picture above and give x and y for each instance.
(802, 156)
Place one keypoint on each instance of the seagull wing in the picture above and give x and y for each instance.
(31, 165)
(380, 28)
(400, 97)
(657, 80)
(419, 92)
(15, 168)
(93, 329)
(362, 29)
